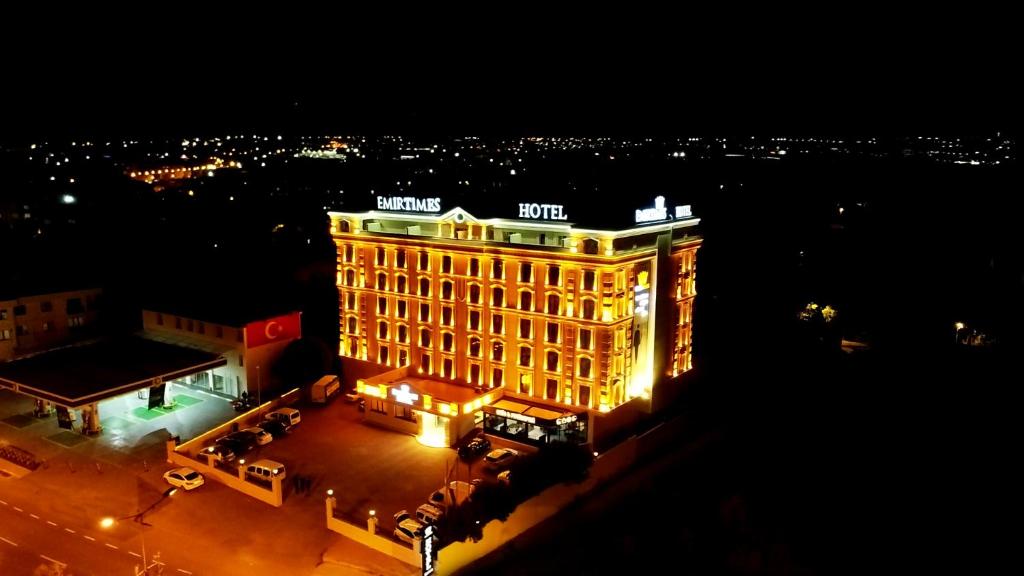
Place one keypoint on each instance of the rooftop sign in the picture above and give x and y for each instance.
(660, 212)
(408, 204)
(542, 211)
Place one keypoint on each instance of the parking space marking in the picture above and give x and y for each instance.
(51, 523)
(34, 516)
(18, 509)
(183, 571)
(90, 538)
(69, 530)
(4, 502)
(8, 541)
(136, 554)
(108, 545)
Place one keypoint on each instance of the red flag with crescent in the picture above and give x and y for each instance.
(277, 329)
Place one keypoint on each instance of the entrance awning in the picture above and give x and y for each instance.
(79, 375)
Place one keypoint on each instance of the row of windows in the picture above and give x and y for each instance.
(526, 269)
(46, 326)
(73, 306)
(196, 326)
(585, 340)
(584, 365)
(553, 303)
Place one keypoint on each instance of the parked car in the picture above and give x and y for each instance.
(218, 453)
(476, 447)
(244, 438)
(429, 514)
(289, 416)
(500, 458)
(457, 493)
(262, 436)
(351, 397)
(236, 445)
(409, 530)
(505, 477)
(276, 428)
(265, 470)
(186, 478)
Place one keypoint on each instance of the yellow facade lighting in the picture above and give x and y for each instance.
(383, 389)
(445, 409)
(454, 408)
(427, 402)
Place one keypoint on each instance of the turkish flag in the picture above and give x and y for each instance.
(278, 329)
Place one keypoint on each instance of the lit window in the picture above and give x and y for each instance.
(525, 382)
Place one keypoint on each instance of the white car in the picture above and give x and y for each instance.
(500, 458)
(409, 530)
(262, 436)
(186, 478)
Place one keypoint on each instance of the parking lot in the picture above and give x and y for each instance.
(368, 468)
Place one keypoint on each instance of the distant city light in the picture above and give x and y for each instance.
(68, 199)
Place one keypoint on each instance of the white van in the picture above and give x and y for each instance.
(287, 416)
(325, 388)
(265, 470)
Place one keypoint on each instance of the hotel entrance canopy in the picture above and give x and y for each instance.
(76, 376)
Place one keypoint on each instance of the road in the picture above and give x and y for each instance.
(29, 540)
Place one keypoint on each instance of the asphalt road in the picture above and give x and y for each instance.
(28, 540)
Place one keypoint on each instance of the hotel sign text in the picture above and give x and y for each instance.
(542, 211)
(408, 204)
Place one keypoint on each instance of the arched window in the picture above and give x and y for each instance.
(554, 275)
(403, 333)
(353, 325)
(498, 298)
(552, 361)
(350, 277)
(498, 351)
(474, 293)
(400, 283)
(554, 304)
(526, 300)
(525, 356)
(424, 286)
(474, 347)
(585, 365)
(382, 281)
(447, 341)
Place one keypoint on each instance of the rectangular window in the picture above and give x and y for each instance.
(498, 351)
(403, 333)
(383, 355)
(76, 321)
(400, 258)
(474, 319)
(46, 306)
(447, 341)
(74, 306)
(424, 312)
(498, 297)
(525, 272)
(446, 290)
(47, 327)
(448, 368)
(382, 257)
(446, 264)
(425, 337)
(400, 283)
(585, 365)
(404, 412)
(474, 373)
(525, 328)
(584, 396)
(554, 275)
(552, 389)
(19, 310)
(403, 357)
(474, 267)
(425, 363)
(382, 305)
(382, 330)
(424, 286)
(447, 317)
(5, 334)
(377, 406)
(400, 308)
(525, 356)
(525, 382)
(589, 277)
(553, 332)
(424, 261)
(474, 293)
(497, 270)
(526, 300)
(497, 377)
(585, 339)
(497, 324)
(349, 253)
(350, 301)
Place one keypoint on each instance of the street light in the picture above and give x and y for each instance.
(956, 335)
(108, 522)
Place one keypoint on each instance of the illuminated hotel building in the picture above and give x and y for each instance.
(533, 328)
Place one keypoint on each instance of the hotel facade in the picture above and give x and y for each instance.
(532, 328)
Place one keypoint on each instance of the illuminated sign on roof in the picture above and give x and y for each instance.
(403, 395)
(542, 211)
(408, 204)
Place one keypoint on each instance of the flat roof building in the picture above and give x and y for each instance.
(548, 328)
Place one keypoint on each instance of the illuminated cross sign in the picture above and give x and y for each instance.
(408, 204)
(542, 211)
(403, 395)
